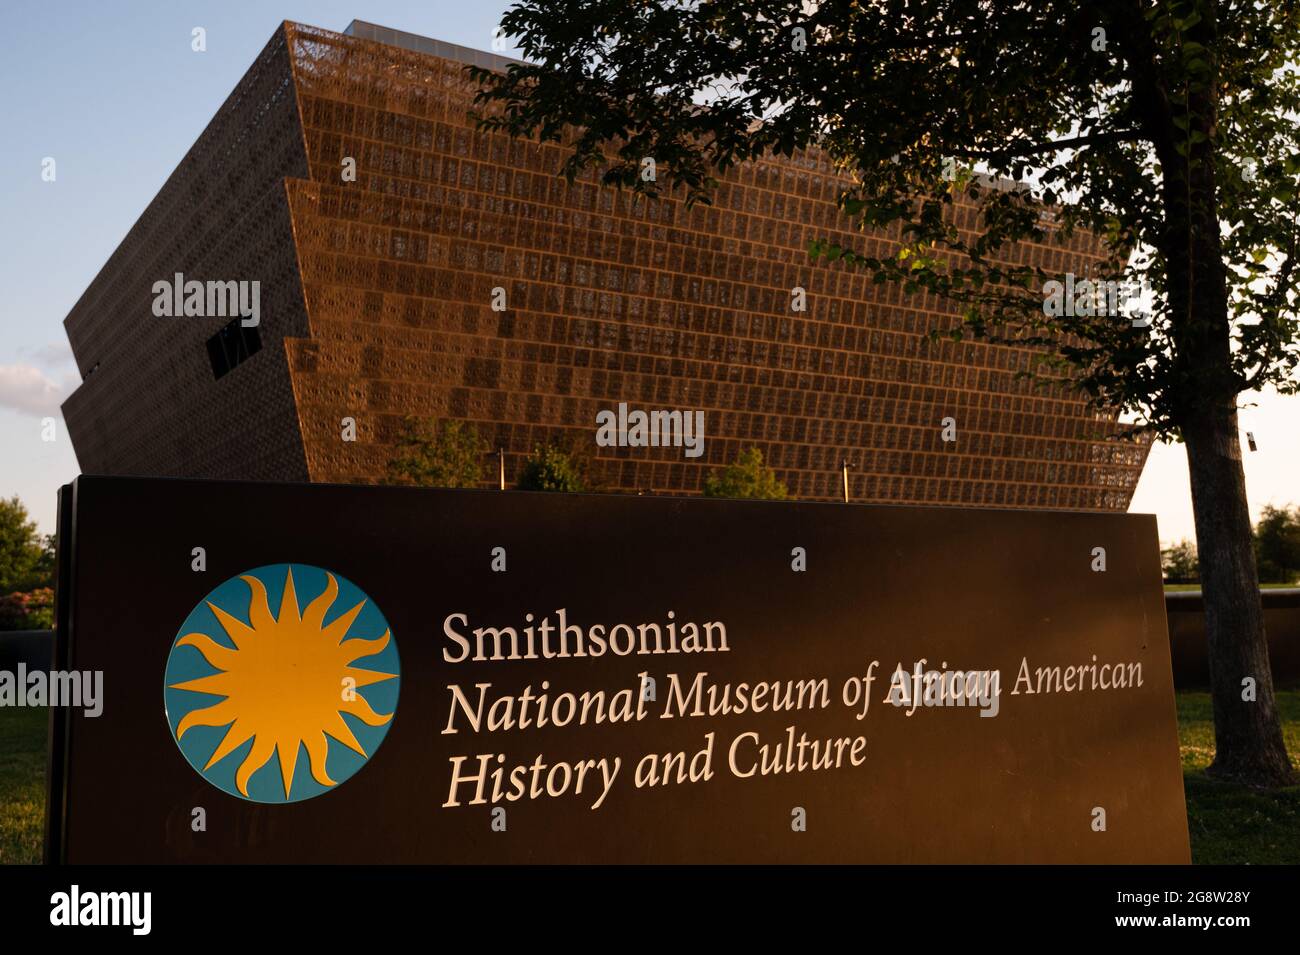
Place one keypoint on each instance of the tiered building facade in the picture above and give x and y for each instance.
(377, 303)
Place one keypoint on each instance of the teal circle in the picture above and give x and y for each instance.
(184, 663)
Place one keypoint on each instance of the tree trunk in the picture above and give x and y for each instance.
(1247, 732)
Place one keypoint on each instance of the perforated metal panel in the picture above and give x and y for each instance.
(608, 299)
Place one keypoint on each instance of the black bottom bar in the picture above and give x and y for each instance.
(926, 905)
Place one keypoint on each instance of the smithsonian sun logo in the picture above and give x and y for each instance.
(281, 705)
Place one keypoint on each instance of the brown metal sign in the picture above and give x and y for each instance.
(361, 674)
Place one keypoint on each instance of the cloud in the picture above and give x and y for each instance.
(25, 389)
(53, 355)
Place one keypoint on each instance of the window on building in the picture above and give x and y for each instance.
(232, 346)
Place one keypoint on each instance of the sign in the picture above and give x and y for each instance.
(316, 673)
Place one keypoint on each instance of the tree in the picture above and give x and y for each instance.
(552, 468)
(1178, 562)
(26, 557)
(1277, 544)
(33, 610)
(1163, 127)
(747, 478)
(450, 456)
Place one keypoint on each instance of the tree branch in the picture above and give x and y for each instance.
(1119, 136)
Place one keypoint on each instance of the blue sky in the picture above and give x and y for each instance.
(115, 95)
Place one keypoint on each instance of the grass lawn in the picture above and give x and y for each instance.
(23, 733)
(1228, 824)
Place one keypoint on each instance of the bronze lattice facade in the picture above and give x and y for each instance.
(377, 303)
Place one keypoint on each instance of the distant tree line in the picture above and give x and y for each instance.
(1277, 550)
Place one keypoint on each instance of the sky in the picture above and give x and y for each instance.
(115, 95)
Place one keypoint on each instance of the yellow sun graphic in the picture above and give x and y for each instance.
(287, 682)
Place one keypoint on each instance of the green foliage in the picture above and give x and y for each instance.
(1166, 128)
(553, 468)
(1277, 544)
(1179, 563)
(33, 610)
(747, 478)
(26, 557)
(429, 456)
(1277, 550)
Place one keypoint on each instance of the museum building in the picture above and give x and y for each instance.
(408, 264)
